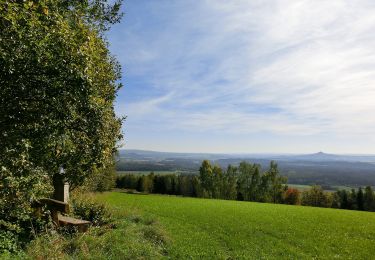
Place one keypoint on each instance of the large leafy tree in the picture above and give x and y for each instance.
(58, 84)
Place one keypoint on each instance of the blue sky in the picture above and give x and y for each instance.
(247, 76)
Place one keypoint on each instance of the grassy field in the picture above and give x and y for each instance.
(302, 187)
(155, 172)
(147, 172)
(299, 186)
(217, 229)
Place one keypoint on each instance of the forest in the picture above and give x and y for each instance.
(247, 182)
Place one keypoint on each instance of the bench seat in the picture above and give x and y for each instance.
(81, 225)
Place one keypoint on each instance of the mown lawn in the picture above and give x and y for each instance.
(217, 229)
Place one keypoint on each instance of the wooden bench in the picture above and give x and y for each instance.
(79, 224)
(57, 207)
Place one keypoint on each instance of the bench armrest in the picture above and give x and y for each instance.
(53, 205)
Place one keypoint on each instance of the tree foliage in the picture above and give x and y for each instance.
(58, 83)
(243, 183)
(247, 183)
(292, 196)
(20, 183)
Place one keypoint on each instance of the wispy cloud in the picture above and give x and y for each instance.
(280, 67)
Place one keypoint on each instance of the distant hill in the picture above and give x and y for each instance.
(154, 155)
(318, 168)
(320, 156)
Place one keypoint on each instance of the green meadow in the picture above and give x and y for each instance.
(148, 172)
(219, 229)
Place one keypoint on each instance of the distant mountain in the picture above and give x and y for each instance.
(320, 156)
(133, 154)
(155, 155)
(318, 168)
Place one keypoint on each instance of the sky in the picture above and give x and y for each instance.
(260, 76)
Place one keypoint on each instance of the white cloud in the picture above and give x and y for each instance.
(283, 67)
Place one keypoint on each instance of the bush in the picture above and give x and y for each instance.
(8, 242)
(316, 197)
(292, 196)
(20, 184)
(101, 180)
(87, 208)
(134, 237)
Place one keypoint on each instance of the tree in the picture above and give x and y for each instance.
(246, 187)
(316, 197)
(58, 85)
(255, 185)
(360, 199)
(101, 180)
(369, 199)
(277, 183)
(230, 177)
(292, 196)
(217, 183)
(20, 183)
(336, 200)
(206, 178)
(352, 200)
(344, 199)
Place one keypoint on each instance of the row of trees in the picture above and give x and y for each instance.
(355, 199)
(246, 182)
(342, 199)
(172, 184)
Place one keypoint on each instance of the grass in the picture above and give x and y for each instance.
(303, 187)
(217, 229)
(124, 235)
(156, 172)
(148, 172)
(129, 240)
(300, 187)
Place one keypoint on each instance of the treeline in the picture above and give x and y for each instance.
(172, 184)
(341, 199)
(245, 182)
(248, 183)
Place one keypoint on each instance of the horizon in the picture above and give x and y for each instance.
(229, 153)
(240, 77)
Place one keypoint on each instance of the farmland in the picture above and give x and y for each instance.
(202, 228)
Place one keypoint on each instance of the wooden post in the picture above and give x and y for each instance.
(58, 186)
(66, 192)
(61, 187)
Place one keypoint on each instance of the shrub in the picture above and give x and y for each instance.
(20, 184)
(316, 197)
(87, 208)
(102, 179)
(135, 237)
(155, 234)
(8, 242)
(292, 196)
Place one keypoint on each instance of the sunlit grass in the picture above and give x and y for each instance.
(203, 228)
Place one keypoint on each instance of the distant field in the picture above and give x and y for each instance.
(147, 172)
(299, 186)
(155, 172)
(217, 229)
(302, 187)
